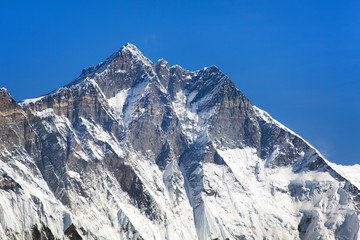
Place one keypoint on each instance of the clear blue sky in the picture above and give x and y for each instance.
(298, 60)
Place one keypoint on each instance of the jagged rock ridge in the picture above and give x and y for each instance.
(137, 150)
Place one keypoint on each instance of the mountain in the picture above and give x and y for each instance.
(136, 150)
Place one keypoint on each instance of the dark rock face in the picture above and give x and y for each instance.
(13, 125)
(272, 137)
(43, 233)
(8, 184)
(6, 101)
(143, 151)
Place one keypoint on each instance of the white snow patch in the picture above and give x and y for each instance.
(117, 102)
(101, 135)
(194, 124)
(74, 175)
(351, 173)
(49, 112)
(32, 100)
(120, 71)
(131, 109)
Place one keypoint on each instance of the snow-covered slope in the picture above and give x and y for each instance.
(138, 150)
(351, 173)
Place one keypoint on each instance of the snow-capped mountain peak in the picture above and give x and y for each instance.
(136, 150)
(132, 50)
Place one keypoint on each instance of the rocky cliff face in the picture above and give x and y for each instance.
(136, 150)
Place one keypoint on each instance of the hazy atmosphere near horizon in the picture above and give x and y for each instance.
(298, 60)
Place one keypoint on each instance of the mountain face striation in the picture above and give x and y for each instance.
(137, 150)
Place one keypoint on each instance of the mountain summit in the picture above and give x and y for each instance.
(138, 150)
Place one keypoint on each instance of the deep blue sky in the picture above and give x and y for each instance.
(298, 60)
